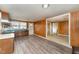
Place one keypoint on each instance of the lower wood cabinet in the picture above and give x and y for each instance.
(6, 46)
(21, 33)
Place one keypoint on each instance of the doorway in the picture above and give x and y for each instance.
(58, 29)
(31, 28)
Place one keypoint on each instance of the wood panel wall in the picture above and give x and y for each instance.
(40, 27)
(74, 24)
(63, 27)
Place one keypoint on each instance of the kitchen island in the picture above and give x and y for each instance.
(6, 43)
(17, 33)
(21, 33)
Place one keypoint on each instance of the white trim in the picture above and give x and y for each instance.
(69, 29)
(46, 28)
(50, 27)
(62, 35)
(40, 36)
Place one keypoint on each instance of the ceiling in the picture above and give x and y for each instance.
(59, 18)
(35, 11)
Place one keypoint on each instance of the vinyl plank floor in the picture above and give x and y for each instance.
(64, 40)
(36, 45)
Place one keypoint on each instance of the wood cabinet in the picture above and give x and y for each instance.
(5, 15)
(6, 46)
(21, 33)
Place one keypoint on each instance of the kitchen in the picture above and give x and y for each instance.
(9, 30)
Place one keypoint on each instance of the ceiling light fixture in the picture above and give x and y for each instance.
(45, 5)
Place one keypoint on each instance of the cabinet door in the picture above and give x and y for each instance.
(5, 15)
(6, 46)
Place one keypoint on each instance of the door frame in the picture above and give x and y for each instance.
(69, 19)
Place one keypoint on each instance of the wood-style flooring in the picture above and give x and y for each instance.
(36, 45)
(64, 40)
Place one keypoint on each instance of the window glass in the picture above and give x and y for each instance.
(18, 25)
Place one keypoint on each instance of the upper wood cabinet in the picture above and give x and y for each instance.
(74, 23)
(5, 15)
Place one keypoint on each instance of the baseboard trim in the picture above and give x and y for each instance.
(62, 35)
(40, 36)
